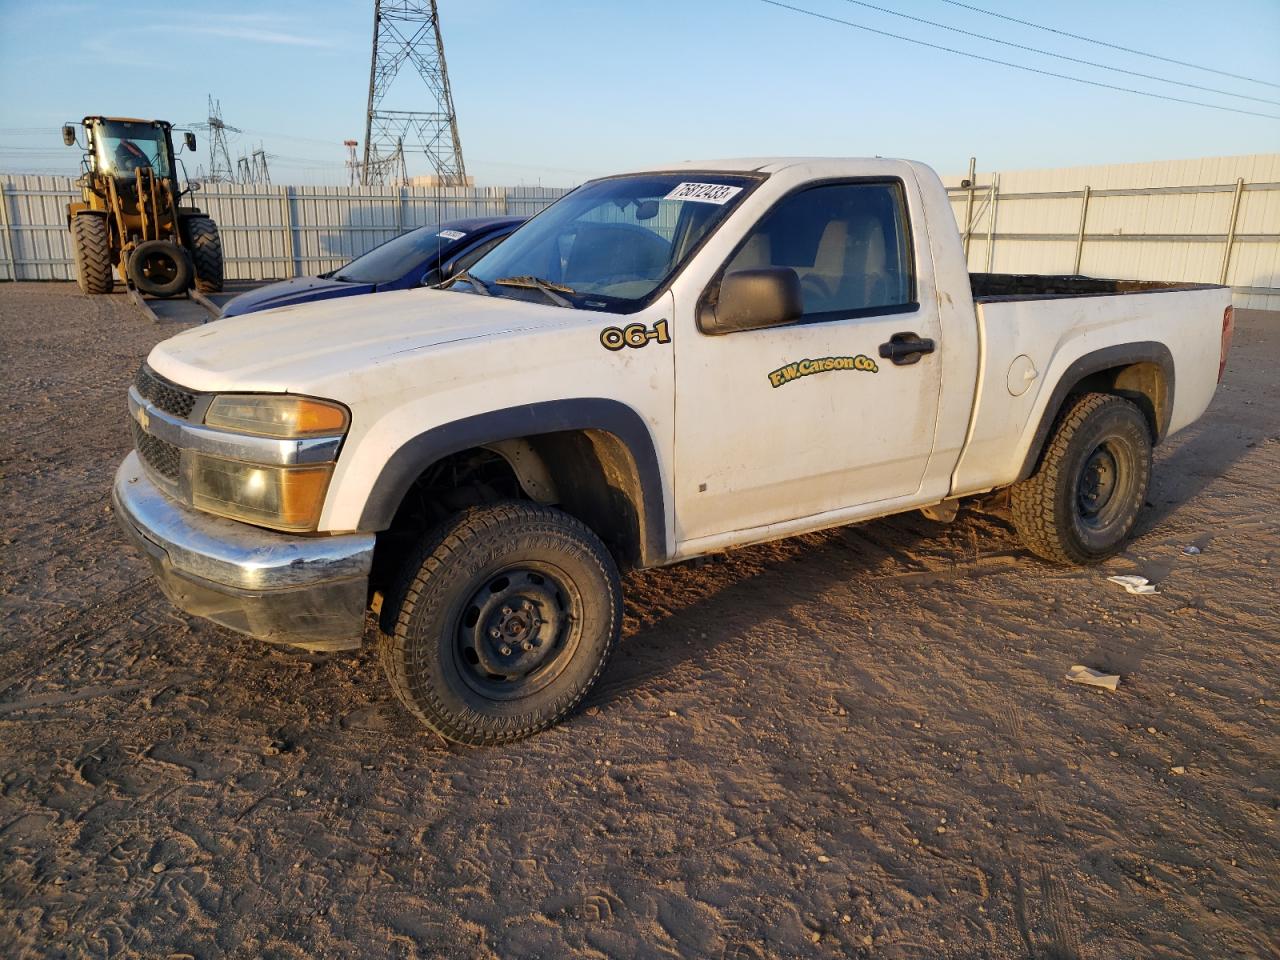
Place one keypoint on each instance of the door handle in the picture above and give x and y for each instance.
(905, 348)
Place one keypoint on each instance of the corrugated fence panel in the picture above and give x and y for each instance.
(1167, 220)
(36, 241)
(267, 232)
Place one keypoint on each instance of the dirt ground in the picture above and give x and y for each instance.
(858, 743)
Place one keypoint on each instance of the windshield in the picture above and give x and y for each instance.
(612, 243)
(395, 258)
(123, 146)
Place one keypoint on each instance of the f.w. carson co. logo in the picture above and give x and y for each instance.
(807, 368)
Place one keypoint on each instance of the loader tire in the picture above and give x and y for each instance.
(205, 246)
(501, 622)
(1080, 505)
(91, 247)
(160, 268)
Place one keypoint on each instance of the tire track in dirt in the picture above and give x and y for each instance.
(125, 604)
(1055, 935)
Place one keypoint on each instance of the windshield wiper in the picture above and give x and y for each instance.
(466, 277)
(551, 290)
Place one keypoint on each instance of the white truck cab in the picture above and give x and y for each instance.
(661, 365)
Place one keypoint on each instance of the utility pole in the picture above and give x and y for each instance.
(409, 31)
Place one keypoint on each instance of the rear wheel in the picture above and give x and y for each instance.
(501, 623)
(205, 245)
(1081, 504)
(91, 248)
(160, 268)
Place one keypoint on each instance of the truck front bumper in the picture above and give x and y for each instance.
(305, 591)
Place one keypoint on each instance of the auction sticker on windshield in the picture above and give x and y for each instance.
(451, 234)
(717, 193)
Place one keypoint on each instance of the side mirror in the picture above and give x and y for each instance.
(189, 139)
(431, 278)
(752, 299)
(69, 135)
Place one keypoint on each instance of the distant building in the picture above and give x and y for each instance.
(432, 181)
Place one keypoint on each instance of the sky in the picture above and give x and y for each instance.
(559, 91)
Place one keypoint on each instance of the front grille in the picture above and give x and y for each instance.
(160, 455)
(167, 396)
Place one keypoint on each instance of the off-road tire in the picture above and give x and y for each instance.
(160, 286)
(205, 246)
(429, 609)
(1051, 508)
(91, 247)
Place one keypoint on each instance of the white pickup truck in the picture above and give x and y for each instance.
(661, 365)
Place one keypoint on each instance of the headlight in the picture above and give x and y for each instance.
(277, 415)
(283, 498)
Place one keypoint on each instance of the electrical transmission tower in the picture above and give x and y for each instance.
(220, 169)
(409, 31)
(252, 168)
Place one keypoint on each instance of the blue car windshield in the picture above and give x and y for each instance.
(611, 244)
(418, 249)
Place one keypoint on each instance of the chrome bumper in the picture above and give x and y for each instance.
(305, 591)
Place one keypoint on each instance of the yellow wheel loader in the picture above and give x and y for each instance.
(130, 215)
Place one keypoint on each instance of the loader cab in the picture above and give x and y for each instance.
(119, 147)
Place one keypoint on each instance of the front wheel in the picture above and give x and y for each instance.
(501, 623)
(200, 234)
(91, 248)
(1082, 502)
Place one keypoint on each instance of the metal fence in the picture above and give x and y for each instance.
(1213, 220)
(267, 232)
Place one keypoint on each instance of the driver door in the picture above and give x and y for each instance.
(781, 425)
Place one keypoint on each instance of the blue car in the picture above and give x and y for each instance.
(419, 258)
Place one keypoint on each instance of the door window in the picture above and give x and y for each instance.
(848, 242)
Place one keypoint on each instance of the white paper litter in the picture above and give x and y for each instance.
(1133, 584)
(1094, 678)
(1191, 551)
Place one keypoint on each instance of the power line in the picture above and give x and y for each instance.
(1018, 66)
(1060, 56)
(1113, 46)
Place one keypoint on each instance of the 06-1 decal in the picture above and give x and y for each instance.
(634, 335)
(807, 368)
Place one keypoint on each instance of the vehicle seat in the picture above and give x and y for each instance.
(871, 263)
(849, 269)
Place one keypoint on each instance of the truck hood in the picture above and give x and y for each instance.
(292, 348)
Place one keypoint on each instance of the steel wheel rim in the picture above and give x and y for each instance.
(1103, 485)
(159, 268)
(533, 612)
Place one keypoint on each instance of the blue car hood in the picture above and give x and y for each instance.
(290, 292)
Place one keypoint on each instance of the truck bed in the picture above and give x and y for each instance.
(995, 287)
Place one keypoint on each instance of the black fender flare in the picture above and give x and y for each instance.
(511, 423)
(1107, 358)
